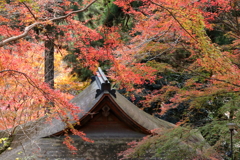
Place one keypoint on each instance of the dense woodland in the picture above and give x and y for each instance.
(177, 60)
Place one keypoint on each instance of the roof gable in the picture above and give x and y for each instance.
(106, 119)
(106, 105)
(99, 93)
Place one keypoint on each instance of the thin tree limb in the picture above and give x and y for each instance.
(30, 81)
(209, 78)
(214, 79)
(175, 18)
(29, 28)
(29, 10)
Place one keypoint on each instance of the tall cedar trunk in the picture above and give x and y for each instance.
(49, 69)
(49, 62)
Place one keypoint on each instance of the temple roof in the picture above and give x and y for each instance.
(99, 89)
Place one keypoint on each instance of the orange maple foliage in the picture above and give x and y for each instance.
(163, 26)
(24, 95)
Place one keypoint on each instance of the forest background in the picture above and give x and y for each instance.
(177, 60)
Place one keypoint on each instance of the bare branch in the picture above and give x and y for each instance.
(24, 34)
(29, 10)
(28, 28)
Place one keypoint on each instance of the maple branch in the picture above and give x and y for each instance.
(29, 10)
(175, 18)
(166, 50)
(216, 79)
(209, 78)
(73, 12)
(30, 81)
(24, 34)
(28, 28)
(236, 17)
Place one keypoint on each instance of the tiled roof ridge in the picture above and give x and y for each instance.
(103, 83)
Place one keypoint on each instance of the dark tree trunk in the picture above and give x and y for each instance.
(49, 62)
(49, 69)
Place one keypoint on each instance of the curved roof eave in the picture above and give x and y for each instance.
(86, 99)
(139, 116)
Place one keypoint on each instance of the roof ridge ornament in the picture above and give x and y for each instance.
(103, 83)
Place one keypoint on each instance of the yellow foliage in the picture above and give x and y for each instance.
(63, 80)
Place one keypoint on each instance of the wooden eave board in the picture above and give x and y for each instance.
(122, 117)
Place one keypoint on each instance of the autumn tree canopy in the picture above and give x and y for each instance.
(164, 52)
